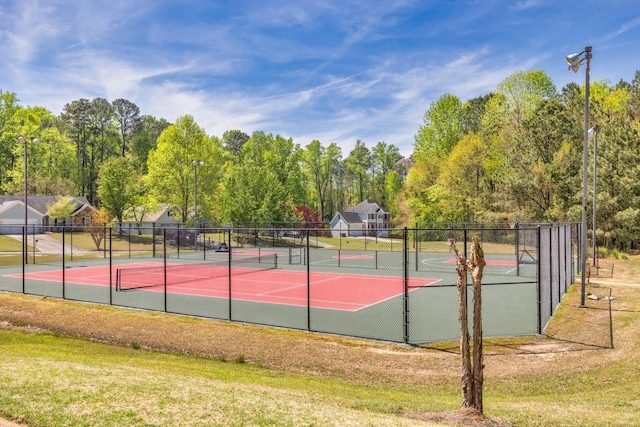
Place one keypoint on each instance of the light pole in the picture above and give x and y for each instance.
(195, 164)
(575, 60)
(24, 142)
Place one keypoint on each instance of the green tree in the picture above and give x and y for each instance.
(145, 139)
(522, 92)
(62, 208)
(127, 115)
(266, 183)
(357, 164)
(461, 183)
(383, 161)
(8, 133)
(171, 176)
(321, 167)
(118, 186)
(233, 140)
(441, 130)
(49, 164)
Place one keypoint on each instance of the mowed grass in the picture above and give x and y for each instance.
(84, 241)
(52, 376)
(9, 244)
(58, 381)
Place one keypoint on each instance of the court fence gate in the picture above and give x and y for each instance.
(399, 288)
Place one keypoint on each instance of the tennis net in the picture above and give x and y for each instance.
(151, 276)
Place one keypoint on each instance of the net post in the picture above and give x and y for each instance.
(177, 243)
(204, 243)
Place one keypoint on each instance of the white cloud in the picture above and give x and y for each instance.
(627, 26)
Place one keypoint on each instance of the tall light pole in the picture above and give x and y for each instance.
(195, 164)
(24, 142)
(575, 60)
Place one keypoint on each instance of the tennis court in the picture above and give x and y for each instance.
(342, 291)
(405, 294)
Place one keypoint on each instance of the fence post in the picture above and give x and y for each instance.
(229, 278)
(517, 228)
(307, 260)
(539, 278)
(111, 267)
(24, 258)
(164, 263)
(63, 266)
(405, 279)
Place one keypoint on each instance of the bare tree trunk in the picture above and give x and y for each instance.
(466, 379)
(472, 378)
(476, 264)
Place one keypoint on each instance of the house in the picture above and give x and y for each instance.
(163, 217)
(367, 218)
(12, 214)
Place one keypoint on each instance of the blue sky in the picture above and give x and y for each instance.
(336, 71)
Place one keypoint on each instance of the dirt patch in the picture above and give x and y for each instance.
(462, 417)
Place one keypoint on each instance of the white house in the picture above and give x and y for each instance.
(38, 219)
(163, 217)
(12, 218)
(366, 218)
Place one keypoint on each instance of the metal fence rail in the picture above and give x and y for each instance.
(399, 288)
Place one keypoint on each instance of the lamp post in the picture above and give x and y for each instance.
(24, 142)
(575, 60)
(195, 164)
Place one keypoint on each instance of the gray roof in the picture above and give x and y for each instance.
(350, 217)
(40, 203)
(365, 207)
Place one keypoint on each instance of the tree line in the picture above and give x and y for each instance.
(129, 164)
(514, 154)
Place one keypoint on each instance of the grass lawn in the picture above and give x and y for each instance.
(9, 244)
(125, 242)
(72, 364)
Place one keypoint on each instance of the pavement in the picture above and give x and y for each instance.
(46, 244)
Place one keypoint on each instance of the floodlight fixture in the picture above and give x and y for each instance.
(575, 60)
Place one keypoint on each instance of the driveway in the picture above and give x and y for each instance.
(46, 244)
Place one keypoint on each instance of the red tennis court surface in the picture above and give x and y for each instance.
(348, 292)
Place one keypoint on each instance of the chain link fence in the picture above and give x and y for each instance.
(399, 288)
